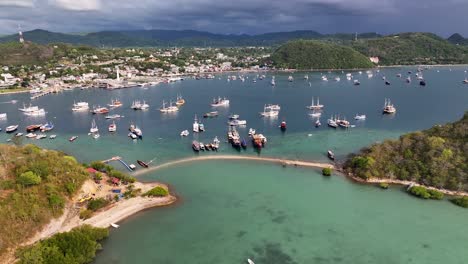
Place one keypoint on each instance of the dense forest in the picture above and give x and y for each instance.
(411, 49)
(311, 54)
(35, 185)
(436, 157)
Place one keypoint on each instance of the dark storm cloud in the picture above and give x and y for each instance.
(240, 16)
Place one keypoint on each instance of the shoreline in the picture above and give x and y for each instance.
(235, 157)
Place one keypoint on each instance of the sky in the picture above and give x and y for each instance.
(442, 17)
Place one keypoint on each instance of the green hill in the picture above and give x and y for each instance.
(457, 39)
(15, 53)
(436, 157)
(35, 185)
(310, 54)
(412, 48)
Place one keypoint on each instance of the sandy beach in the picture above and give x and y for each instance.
(236, 157)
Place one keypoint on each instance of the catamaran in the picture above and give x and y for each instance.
(317, 106)
(80, 106)
(389, 108)
(268, 112)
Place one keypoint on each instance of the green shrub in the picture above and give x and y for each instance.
(96, 204)
(326, 171)
(460, 201)
(436, 195)
(28, 178)
(85, 214)
(383, 185)
(424, 193)
(157, 191)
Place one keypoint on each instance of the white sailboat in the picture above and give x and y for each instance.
(268, 112)
(196, 126)
(94, 127)
(317, 106)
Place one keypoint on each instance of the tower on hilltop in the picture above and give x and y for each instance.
(20, 33)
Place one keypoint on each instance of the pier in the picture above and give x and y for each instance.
(119, 159)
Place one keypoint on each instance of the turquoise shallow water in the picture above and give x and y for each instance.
(229, 211)
(233, 210)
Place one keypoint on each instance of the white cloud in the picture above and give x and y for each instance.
(77, 5)
(17, 3)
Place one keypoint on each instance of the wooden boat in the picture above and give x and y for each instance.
(196, 146)
(142, 163)
(33, 128)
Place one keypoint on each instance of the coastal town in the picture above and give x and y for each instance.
(87, 67)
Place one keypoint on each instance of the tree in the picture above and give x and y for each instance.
(157, 191)
(28, 178)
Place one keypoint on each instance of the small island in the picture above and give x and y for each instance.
(48, 200)
(433, 162)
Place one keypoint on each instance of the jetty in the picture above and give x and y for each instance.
(283, 162)
(119, 159)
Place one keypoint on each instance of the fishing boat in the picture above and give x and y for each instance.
(39, 112)
(236, 122)
(360, 117)
(47, 127)
(211, 114)
(331, 155)
(3, 115)
(11, 129)
(273, 107)
(283, 126)
(317, 123)
(196, 126)
(142, 163)
(388, 108)
(195, 146)
(32, 128)
(215, 144)
(112, 127)
(114, 116)
(115, 103)
(136, 131)
(30, 108)
(170, 109)
(180, 101)
(343, 123)
(41, 136)
(315, 114)
(317, 106)
(259, 140)
(80, 106)
(184, 133)
(220, 102)
(269, 113)
(356, 82)
(290, 78)
(94, 127)
(100, 110)
(73, 138)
